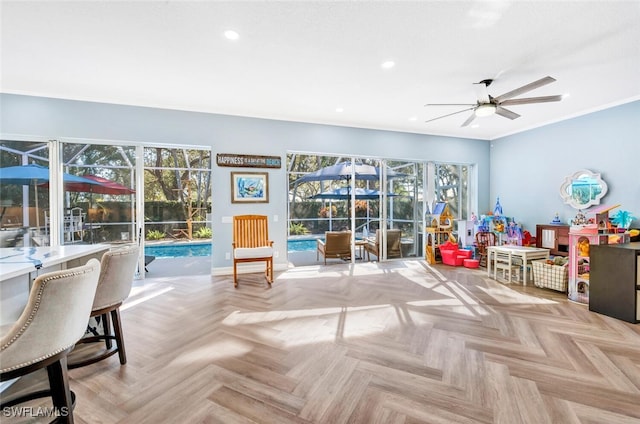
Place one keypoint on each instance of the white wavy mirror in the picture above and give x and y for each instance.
(583, 189)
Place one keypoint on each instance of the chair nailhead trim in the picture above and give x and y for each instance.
(30, 319)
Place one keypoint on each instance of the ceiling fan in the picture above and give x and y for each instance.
(487, 105)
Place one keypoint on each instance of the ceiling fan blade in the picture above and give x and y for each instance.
(454, 113)
(450, 104)
(525, 88)
(469, 119)
(481, 92)
(529, 100)
(506, 113)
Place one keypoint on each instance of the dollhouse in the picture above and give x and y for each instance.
(439, 230)
(590, 228)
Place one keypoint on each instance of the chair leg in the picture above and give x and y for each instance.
(117, 331)
(106, 328)
(235, 275)
(60, 392)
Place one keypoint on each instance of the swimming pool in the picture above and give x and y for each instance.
(204, 249)
(181, 250)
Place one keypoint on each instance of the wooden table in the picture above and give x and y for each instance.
(526, 254)
(360, 245)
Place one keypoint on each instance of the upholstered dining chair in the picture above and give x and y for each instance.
(53, 320)
(484, 239)
(336, 244)
(394, 247)
(251, 244)
(118, 267)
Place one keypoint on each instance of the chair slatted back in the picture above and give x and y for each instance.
(250, 231)
(485, 239)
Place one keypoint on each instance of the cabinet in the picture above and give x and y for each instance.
(615, 281)
(553, 237)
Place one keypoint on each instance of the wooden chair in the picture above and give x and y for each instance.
(336, 244)
(394, 247)
(251, 244)
(484, 240)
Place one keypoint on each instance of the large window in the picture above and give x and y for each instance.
(324, 203)
(177, 193)
(24, 202)
(324, 195)
(107, 206)
(97, 213)
(451, 186)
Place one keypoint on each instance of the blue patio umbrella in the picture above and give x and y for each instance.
(344, 193)
(344, 170)
(35, 174)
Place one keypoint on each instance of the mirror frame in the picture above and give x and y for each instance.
(568, 198)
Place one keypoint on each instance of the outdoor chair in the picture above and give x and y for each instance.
(394, 247)
(251, 244)
(484, 239)
(117, 270)
(53, 320)
(336, 244)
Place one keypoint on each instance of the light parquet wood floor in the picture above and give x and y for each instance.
(399, 342)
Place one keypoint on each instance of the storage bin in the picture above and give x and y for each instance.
(555, 277)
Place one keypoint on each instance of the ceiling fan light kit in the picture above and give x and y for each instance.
(485, 110)
(486, 105)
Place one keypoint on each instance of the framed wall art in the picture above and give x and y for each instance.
(249, 187)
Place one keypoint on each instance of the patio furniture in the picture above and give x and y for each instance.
(336, 244)
(117, 269)
(53, 320)
(394, 246)
(251, 244)
(147, 260)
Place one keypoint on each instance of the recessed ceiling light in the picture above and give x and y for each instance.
(413, 118)
(475, 126)
(388, 64)
(231, 35)
(339, 110)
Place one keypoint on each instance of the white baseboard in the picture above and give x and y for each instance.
(249, 268)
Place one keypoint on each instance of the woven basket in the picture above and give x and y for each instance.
(548, 276)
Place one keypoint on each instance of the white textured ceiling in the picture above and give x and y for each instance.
(301, 60)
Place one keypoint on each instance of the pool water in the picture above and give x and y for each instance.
(178, 250)
(301, 245)
(204, 249)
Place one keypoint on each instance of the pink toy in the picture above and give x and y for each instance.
(452, 255)
(471, 263)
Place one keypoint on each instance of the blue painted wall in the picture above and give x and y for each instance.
(527, 169)
(65, 119)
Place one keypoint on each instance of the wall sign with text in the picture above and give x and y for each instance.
(248, 161)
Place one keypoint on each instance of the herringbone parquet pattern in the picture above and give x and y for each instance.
(400, 342)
